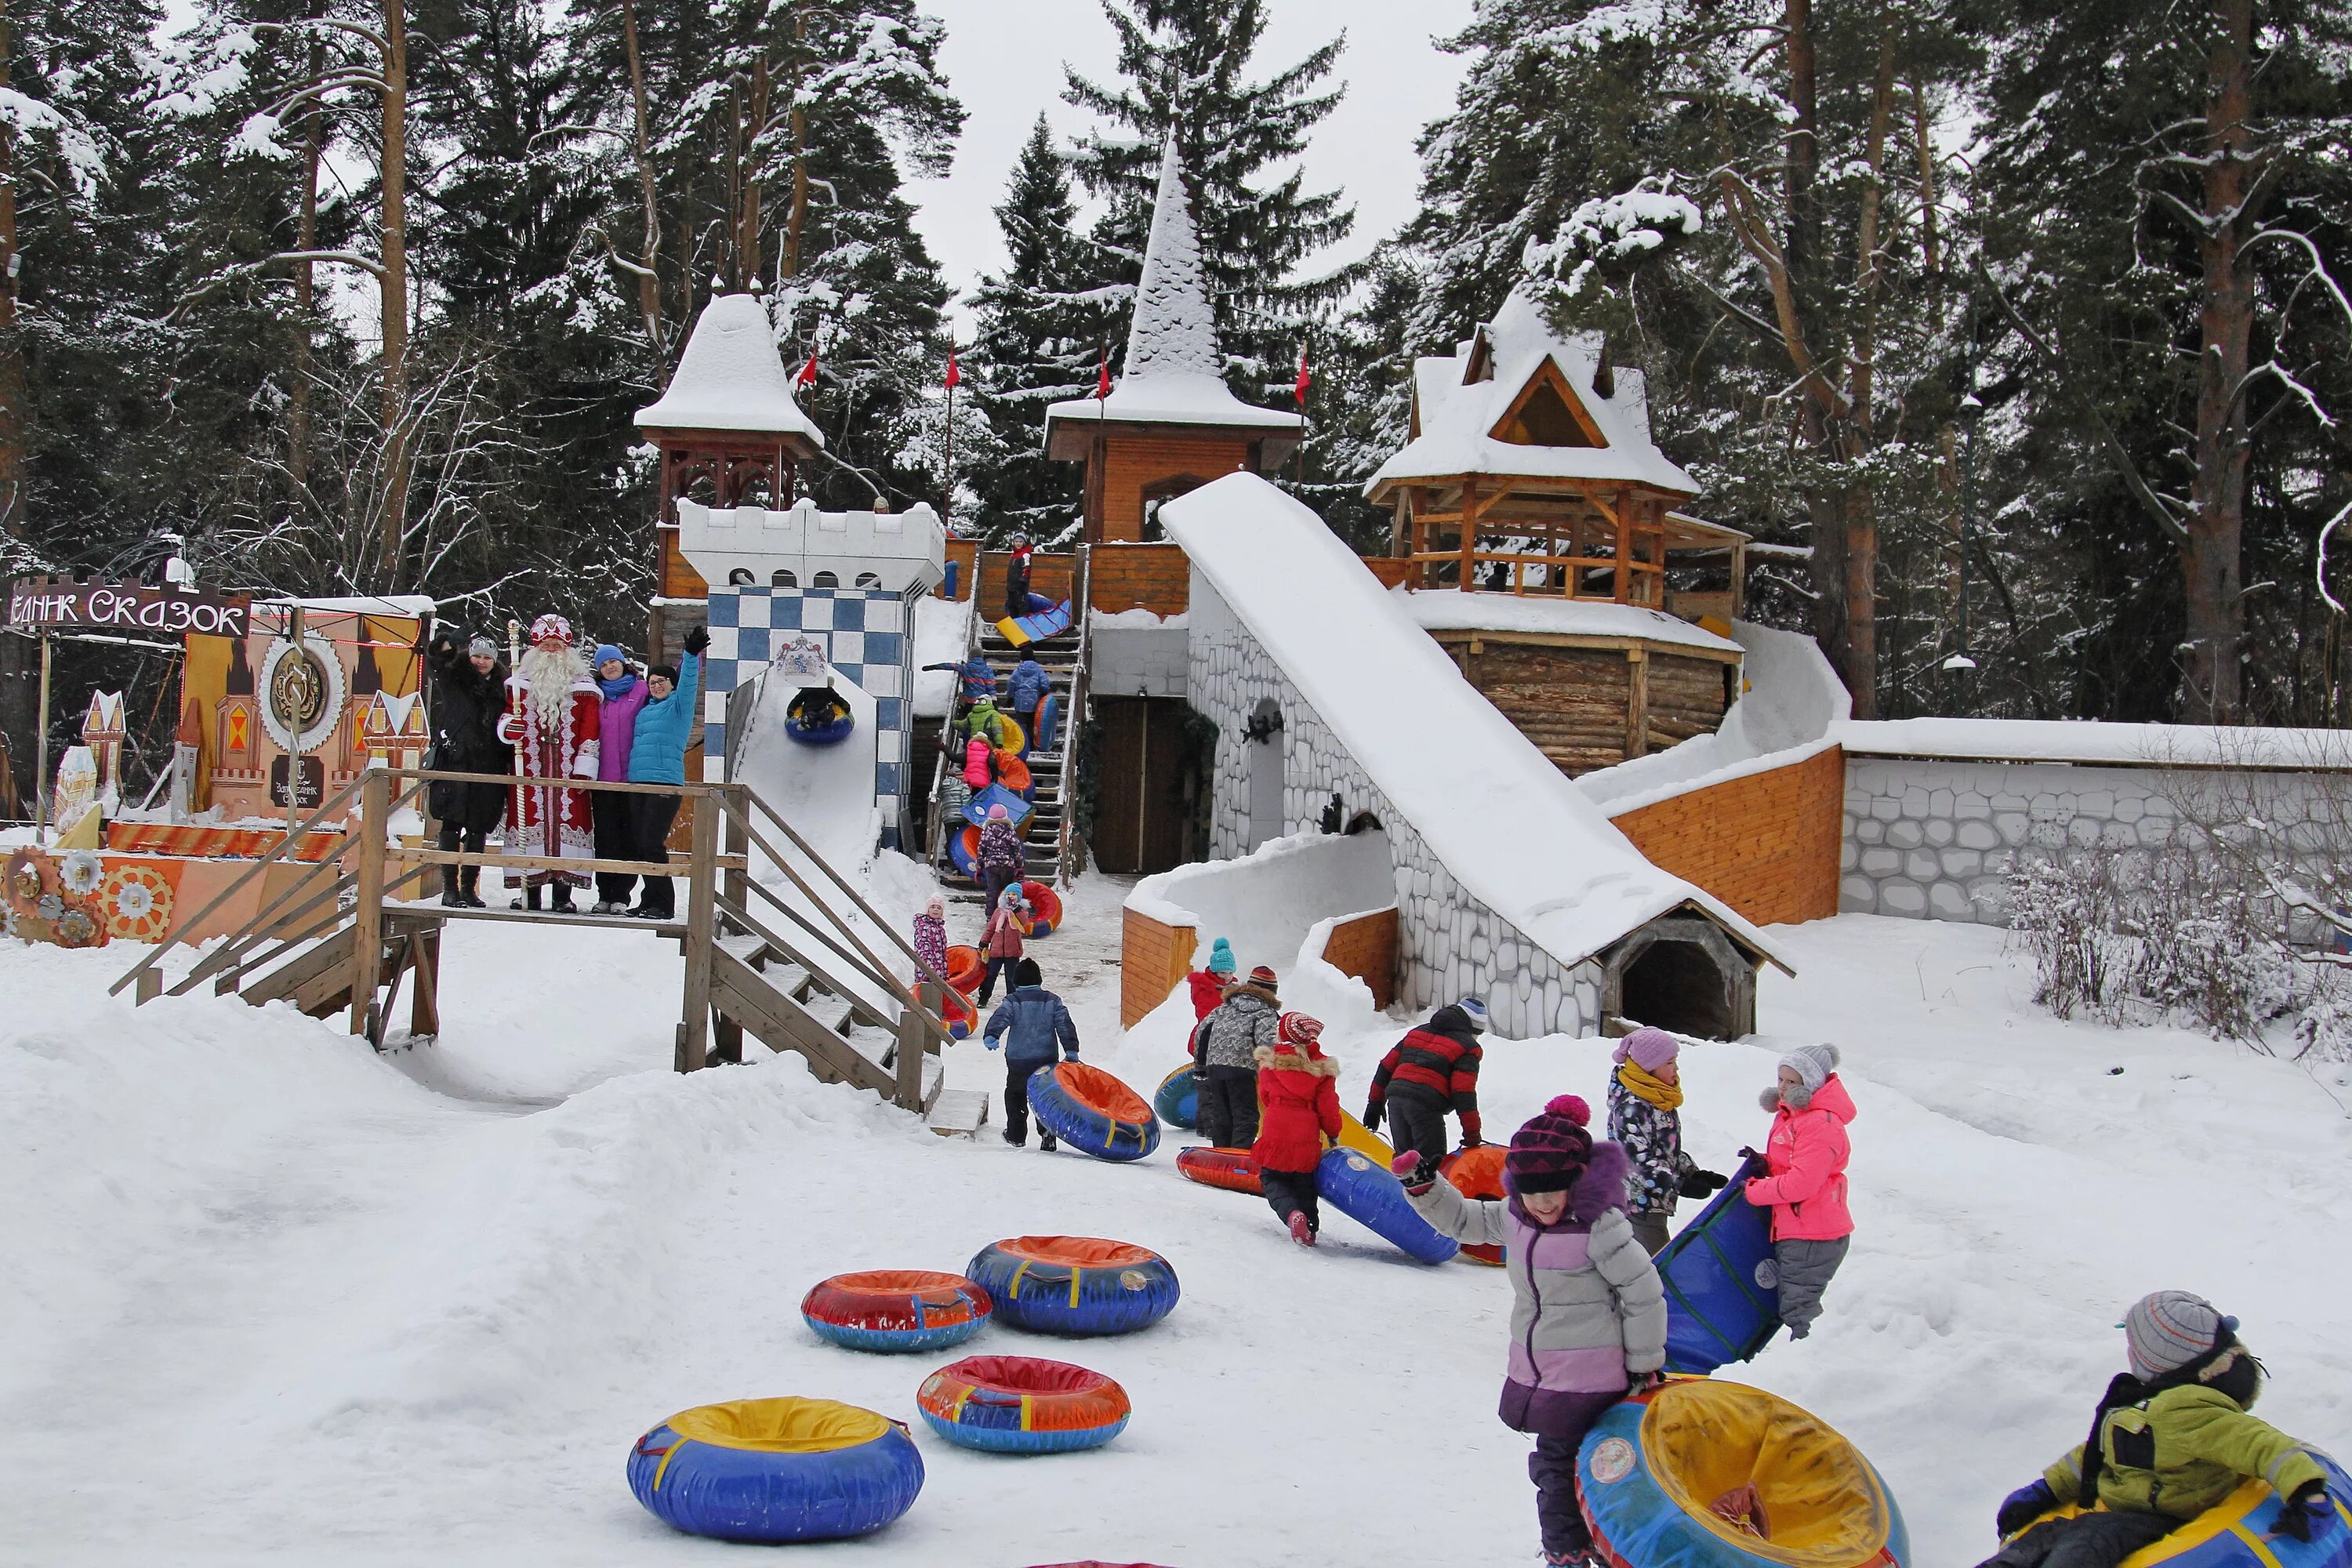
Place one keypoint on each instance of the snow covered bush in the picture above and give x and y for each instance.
(2062, 912)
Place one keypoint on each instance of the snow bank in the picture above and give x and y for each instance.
(942, 634)
(2080, 741)
(1451, 609)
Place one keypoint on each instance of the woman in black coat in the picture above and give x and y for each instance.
(470, 693)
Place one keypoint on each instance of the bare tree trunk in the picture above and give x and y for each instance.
(796, 215)
(649, 305)
(747, 224)
(2211, 561)
(306, 240)
(1861, 504)
(19, 679)
(1800, 250)
(394, 295)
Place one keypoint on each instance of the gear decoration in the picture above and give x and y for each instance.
(82, 872)
(137, 902)
(75, 928)
(26, 883)
(301, 693)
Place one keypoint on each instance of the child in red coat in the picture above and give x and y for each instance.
(1209, 984)
(1298, 1084)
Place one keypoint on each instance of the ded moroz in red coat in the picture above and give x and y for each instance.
(1300, 1097)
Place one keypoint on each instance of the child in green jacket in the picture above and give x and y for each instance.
(2172, 1439)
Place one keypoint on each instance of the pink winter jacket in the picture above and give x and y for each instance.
(975, 763)
(1806, 1156)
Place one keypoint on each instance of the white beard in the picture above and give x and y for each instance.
(547, 677)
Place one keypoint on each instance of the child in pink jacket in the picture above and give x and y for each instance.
(1804, 1181)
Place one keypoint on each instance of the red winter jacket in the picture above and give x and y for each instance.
(1002, 937)
(1208, 990)
(1300, 1107)
(1441, 1057)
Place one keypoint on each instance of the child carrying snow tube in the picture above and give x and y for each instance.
(1075, 1285)
(1720, 1475)
(896, 1310)
(1023, 1405)
(1178, 1098)
(1235, 1169)
(1367, 1194)
(1093, 1113)
(770, 1470)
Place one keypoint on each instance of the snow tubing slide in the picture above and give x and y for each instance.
(897, 1309)
(1368, 1194)
(1178, 1098)
(776, 1469)
(1045, 906)
(2240, 1531)
(1075, 1284)
(1093, 1113)
(1233, 1169)
(1023, 1405)
(1723, 1287)
(1477, 1173)
(830, 733)
(1719, 1475)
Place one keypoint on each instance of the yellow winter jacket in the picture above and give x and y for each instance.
(2182, 1452)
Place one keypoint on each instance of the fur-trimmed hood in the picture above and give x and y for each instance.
(1240, 988)
(1286, 1059)
(1600, 1187)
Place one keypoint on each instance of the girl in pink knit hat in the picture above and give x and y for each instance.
(1645, 1097)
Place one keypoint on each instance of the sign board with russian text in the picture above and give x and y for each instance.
(93, 604)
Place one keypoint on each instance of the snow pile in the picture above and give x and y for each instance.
(730, 377)
(2086, 741)
(942, 636)
(1513, 830)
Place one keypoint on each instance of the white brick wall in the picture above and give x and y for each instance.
(1138, 661)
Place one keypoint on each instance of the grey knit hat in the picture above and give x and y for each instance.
(1812, 1065)
(2167, 1330)
(482, 648)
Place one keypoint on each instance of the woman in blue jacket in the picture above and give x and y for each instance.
(657, 755)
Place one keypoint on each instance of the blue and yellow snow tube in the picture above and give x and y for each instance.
(1717, 1475)
(1178, 1098)
(802, 726)
(894, 1311)
(1023, 1405)
(1365, 1191)
(2240, 1531)
(776, 1469)
(1093, 1113)
(1723, 1286)
(1075, 1284)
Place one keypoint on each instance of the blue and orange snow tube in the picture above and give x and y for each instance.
(1093, 1113)
(2241, 1531)
(1725, 1475)
(1477, 1173)
(1075, 1284)
(1366, 1193)
(1235, 1170)
(776, 1470)
(897, 1309)
(963, 853)
(1045, 906)
(1178, 1098)
(1023, 1405)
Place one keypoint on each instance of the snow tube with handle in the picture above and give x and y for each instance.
(831, 732)
(1719, 1474)
(1178, 1098)
(896, 1310)
(1367, 1194)
(966, 967)
(1014, 775)
(1477, 1173)
(958, 1013)
(1049, 714)
(2241, 1531)
(1233, 1169)
(1023, 1405)
(1093, 1113)
(1723, 1286)
(776, 1469)
(1075, 1284)
(1045, 906)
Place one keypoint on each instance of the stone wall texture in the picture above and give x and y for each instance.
(1138, 661)
(1450, 945)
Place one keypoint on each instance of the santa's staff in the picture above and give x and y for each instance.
(514, 700)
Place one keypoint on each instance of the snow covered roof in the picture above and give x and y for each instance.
(2082, 741)
(1174, 371)
(1507, 823)
(731, 378)
(1455, 418)
(1450, 610)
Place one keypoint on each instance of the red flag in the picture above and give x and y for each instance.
(808, 371)
(955, 374)
(1102, 379)
(1300, 389)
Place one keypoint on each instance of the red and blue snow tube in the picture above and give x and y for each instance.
(1023, 1405)
(1044, 907)
(776, 1470)
(1093, 1113)
(958, 1013)
(1075, 1284)
(966, 967)
(1363, 1190)
(1725, 1476)
(1477, 1173)
(1235, 1170)
(897, 1309)
(1178, 1098)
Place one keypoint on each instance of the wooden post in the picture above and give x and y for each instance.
(151, 985)
(425, 994)
(694, 1029)
(1469, 533)
(1624, 552)
(1637, 702)
(367, 914)
(1738, 580)
(912, 1036)
(726, 1033)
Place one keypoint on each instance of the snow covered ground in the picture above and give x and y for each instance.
(273, 1298)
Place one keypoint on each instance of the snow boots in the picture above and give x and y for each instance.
(1300, 1231)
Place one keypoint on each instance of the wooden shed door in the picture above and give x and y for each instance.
(1140, 785)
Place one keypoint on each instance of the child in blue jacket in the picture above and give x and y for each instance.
(657, 755)
(1030, 686)
(1036, 1031)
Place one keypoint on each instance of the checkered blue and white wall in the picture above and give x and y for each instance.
(866, 635)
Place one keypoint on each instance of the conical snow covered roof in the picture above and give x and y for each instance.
(731, 378)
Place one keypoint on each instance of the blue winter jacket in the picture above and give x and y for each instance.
(1038, 1025)
(657, 751)
(1030, 685)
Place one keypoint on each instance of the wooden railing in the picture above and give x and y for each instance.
(1074, 720)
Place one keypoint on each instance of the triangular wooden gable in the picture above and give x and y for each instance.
(1547, 412)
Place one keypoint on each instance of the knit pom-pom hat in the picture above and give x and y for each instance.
(1220, 957)
(1550, 1151)
(998, 814)
(1297, 1030)
(1647, 1049)
(936, 907)
(1812, 1065)
(2170, 1329)
(1263, 976)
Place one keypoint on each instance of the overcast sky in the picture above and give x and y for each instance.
(1003, 59)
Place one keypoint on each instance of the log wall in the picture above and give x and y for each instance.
(1578, 704)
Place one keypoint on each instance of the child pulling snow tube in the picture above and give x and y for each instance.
(818, 717)
(1093, 1113)
(2241, 1531)
(1368, 1194)
(966, 967)
(1044, 905)
(1075, 1284)
(776, 1470)
(1231, 1169)
(1023, 1405)
(1477, 1173)
(1726, 1476)
(1723, 1286)
(1178, 1098)
(897, 1309)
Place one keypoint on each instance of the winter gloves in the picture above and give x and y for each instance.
(1372, 1116)
(2023, 1507)
(698, 641)
(2308, 1507)
(1698, 1184)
